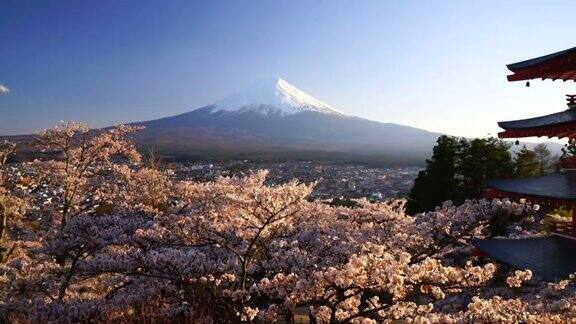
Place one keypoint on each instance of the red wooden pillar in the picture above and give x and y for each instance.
(573, 229)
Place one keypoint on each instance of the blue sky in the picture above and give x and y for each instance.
(437, 65)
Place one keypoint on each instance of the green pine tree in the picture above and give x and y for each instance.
(458, 170)
(437, 183)
(544, 158)
(480, 160)
(526, 163)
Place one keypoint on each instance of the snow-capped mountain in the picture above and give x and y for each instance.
(273, 96)
(273, 119)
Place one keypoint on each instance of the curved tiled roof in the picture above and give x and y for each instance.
(560, 65)
(566, 116)
(561, 124)
(550, 187)
(539, 60)
(550, 257)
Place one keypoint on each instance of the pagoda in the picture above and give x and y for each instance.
(550, 257)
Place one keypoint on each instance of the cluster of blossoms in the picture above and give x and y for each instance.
(118, 239)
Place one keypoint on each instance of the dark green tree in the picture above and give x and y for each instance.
(437, 183)
(481, 159)
(458, 170)
(544, 158)
(526, 163)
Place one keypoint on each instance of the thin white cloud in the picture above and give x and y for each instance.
(3, 89)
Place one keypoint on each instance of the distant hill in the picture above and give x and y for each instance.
(274, 120)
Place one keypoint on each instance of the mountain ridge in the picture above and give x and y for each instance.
(275, 95)
(273, 120)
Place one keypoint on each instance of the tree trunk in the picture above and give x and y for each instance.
(3, 225)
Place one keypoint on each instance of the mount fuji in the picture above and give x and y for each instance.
(274, 96)
(273, 119)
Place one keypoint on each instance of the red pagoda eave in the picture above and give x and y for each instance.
(495, 193)
(563, 75)
(556, 66)
(560, 131)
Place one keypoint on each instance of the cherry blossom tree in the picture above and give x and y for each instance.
(82, 156)
(11, 207)
(135, 243)
(7, 149)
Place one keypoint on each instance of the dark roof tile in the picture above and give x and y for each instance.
(560, 186)
(550, 257)
(555, 119)
(539, 60)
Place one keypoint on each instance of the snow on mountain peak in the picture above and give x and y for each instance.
(273, 96)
